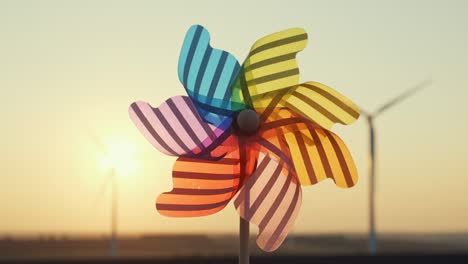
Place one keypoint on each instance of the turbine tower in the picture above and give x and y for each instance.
(111, 180)
(370, 117)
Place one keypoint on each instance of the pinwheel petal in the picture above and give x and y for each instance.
(271, 66)
(175, 128)
(316, 153)
(325, 156)
(316, 102)
(202, 186)
(270, 199)
(208, 74)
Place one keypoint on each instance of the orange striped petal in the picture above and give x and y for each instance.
(202, 186)
(315, 153)
(205, 186)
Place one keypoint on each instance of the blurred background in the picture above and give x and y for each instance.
(69, 70)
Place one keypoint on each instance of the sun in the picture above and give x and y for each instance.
(121, 156)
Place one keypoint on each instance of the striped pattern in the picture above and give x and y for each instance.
(270, 199)
(271, 65)
(293, 146)
(314, 101)
(205, 186)
(320, 104)
(316, 153)
(201, 187)
(208, 74)
(175, 128)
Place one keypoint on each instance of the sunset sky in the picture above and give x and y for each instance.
(69, 69)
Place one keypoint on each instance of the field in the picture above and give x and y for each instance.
(223, 249)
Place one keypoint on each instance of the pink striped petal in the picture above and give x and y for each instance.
(271, 199)
(175, 127)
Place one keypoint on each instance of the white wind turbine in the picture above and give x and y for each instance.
(118, 158)
(372, 240)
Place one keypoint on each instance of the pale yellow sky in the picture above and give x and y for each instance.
(66, 66)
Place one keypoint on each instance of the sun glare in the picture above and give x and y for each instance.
(121, 156)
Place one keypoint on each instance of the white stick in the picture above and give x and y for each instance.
(244, 241)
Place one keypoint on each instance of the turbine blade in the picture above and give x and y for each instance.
(401, 97)
(364, 112)
(97, 141)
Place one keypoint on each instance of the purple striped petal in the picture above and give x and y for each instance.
(175, 127)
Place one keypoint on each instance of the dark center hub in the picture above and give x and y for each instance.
(248, 121)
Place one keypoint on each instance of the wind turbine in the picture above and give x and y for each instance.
(370, 117)
(119, 161)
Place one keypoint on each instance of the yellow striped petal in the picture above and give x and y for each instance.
(315, 153)
(321, 104)
(314, 101)
(271, 65)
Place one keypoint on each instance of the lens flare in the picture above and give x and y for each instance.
(121, 156)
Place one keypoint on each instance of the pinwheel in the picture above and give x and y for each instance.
(248, 132)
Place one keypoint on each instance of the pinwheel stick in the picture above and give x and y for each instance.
(247, 122)
(244, 241)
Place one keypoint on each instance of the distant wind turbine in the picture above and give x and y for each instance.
(372, 240)
(112, 179)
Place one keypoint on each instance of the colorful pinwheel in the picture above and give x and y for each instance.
(249, 130)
